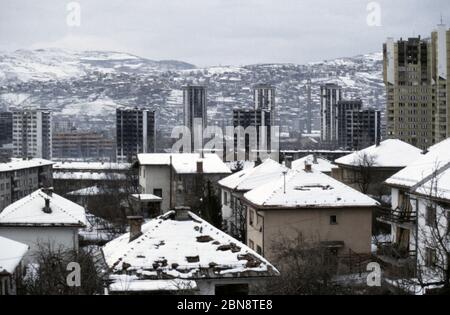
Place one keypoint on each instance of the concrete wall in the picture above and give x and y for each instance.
(354, 227)
(156, 177)
(66, 237)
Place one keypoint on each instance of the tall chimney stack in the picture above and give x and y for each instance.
(182, 213)
(288, 161)
(200, 166)
(135, 223)
(47, 208)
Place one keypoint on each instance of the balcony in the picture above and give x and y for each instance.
(403, 217)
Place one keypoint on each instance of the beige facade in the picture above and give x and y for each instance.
(415, 75)
(351, 231)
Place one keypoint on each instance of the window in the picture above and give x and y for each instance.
(157, 192)
(251, 217)
(430, 257)
(259, 250)
(225, 198)
(430, 216)
(333, 220)
(251, 244)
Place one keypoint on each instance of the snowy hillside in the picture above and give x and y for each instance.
(85, 87)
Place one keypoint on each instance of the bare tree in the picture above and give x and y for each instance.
(363, 174)
(433, 232)
(49, 273)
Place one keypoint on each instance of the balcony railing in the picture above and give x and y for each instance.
(399, 216)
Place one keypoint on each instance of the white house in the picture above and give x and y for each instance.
(179, 251)
(235, 186)
(178, 177)
(11, 255)
(43, 217)
(366, 170)
(317, 163)
(420, 216)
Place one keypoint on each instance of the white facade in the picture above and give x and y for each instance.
(32, 133)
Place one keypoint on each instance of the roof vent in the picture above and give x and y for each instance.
(182, 213)
(308, 167)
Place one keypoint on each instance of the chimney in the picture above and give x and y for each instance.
(47, 208)
(48, 191)
(315, 158)
(308, 167)
(200, 166)
(135, 223)
(182, 213)
(288, 161)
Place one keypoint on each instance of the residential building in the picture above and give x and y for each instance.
(342, 107)
(309, 204)
(82, 145)
(195, 114)
(264, 97)
(362, 128)
(366, 170)
(19, 178)
(415, 75)
(135, 133)
(71, 176)
(43, 218)
(317, 163)
(32, 133)
(330, 95)
(11, 257)
(6, 128)
(179, 178)
(236, 185)
(180, 251)
(420, 219)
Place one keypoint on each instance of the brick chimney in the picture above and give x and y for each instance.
(288, 161)
(47, 208)
(135, 223)
(200, 166)
(308, 167)
(182, 213)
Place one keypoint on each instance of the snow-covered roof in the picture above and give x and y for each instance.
(11, 254)
(88, 176)
(389, 153)
(188, 249)
(320, 164)
(307, 190)
(29, 211)
(185, 163)
(146, 197)
(250, 178)
(91, 166)
(18, 164)
(429, 175)
(95, 190)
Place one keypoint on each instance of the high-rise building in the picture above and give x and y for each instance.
(340, 119)
(195, 113)
(362, 128)
(6, 122)
(415, 75)
(263, 115)
(82, 145)
(32, 133)
(264, 97)
(330, 95)
(135, 131)
(309, 108)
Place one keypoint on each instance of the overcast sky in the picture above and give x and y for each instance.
(214, 32)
